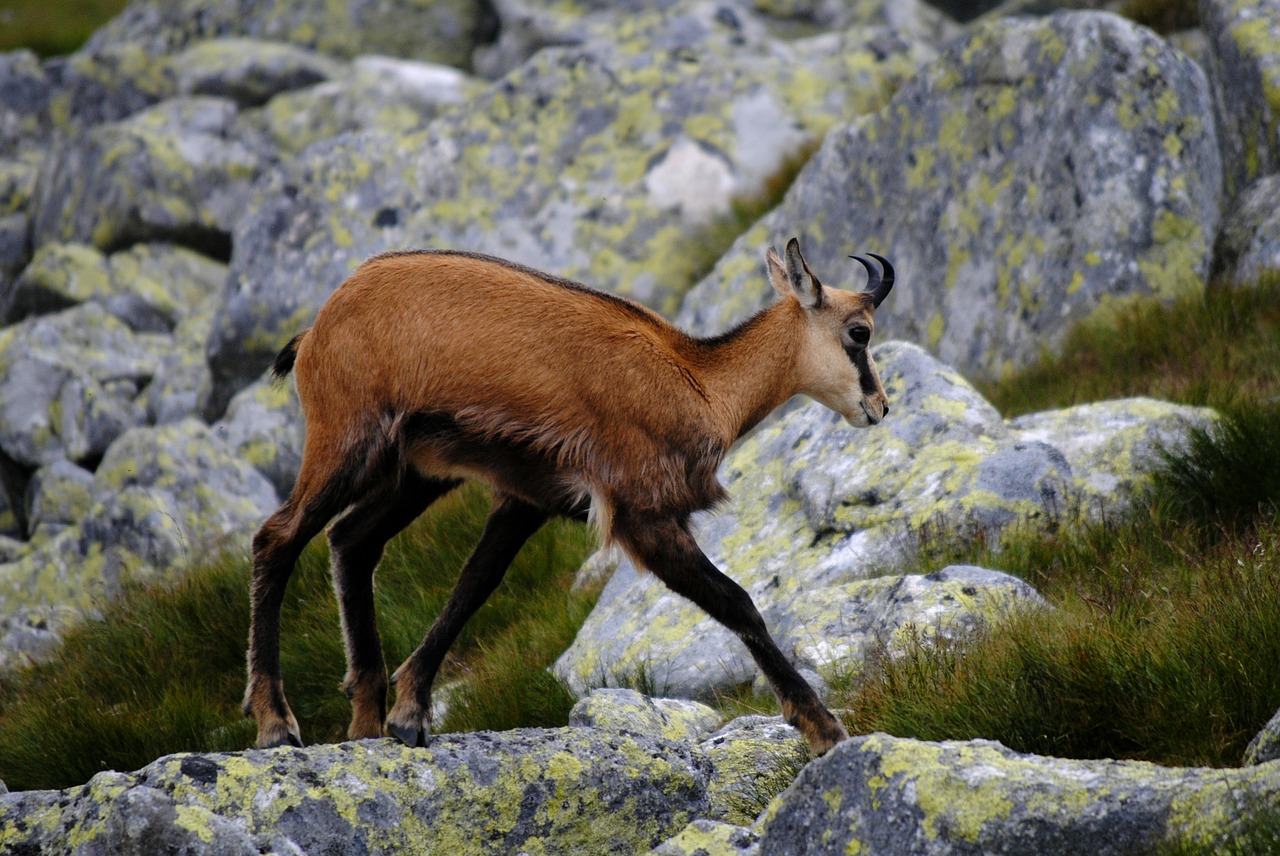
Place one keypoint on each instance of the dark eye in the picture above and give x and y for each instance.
(860, 334)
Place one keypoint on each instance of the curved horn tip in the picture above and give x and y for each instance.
(884, 263)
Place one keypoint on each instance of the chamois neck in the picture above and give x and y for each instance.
(750, 370)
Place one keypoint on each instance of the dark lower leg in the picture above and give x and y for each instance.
(276, 548)
(511, 522)
(357, 542)
(668, 550)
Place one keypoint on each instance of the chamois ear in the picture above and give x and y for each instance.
(777, 273)
(804, 284)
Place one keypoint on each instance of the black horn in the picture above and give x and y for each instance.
(877, 283)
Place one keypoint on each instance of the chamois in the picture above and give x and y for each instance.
(427, 368)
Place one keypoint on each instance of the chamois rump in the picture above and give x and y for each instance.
(427, 368)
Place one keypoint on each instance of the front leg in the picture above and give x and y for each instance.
(669, 551)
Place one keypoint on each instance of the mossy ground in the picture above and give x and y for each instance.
(53, 28)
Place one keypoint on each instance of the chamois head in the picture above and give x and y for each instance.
(834, 364)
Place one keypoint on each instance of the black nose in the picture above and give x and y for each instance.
(886, 410)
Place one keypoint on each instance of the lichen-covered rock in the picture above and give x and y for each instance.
(1112, 446)
(174, 172)
(1265, 746)
(162, 499)
(106, 82)
(561, 791)
(1037, 171)
(845, 624)
(60, 494)
(709, 838)
(753, 759)
(24, 101)
(1248, 247)
(263, 424)
(440, 31)
(884, 795)
(394, 96)
(150, 287)
(69, 383)
(1244, 69)
(634, 712)
(600, 162)
(248, 71)
(17, 184)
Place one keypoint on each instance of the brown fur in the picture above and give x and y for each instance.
(424, 369)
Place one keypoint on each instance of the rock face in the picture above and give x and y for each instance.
(179, 197)
(565, 791)
(879, 794)
(988, 180)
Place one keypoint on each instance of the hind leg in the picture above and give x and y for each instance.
(511, 522)
(276, 548)
(356, 544)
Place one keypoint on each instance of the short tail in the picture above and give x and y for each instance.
(287, 357)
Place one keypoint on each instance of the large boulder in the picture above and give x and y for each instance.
(1244, 67)
(890, 796)
(1249, 245)
(438, 31)
(559, 791)
(1038, 171)
(176, 172)
(603, 162)
(161, 500)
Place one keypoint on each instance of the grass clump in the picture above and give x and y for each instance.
(164, 670)
(53, 27)
(1221, 349)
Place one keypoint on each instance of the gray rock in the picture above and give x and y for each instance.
(69, 383)
(175, 172)
(600, 162)
(1265, 746)
(1244, 69)
(263, 424)
(163, 499)
(1112, 446)
(709, 838)
(1249, 245)
(753, 759)
(818, 508)
(376, 93)
(24, 101)
(884, 795)
(559, 791)
(921, 19)
(633, 712)
(59, 495)
(437, 32)
(1037, 172)
(106, 81)
(150, 287)
(17, 184)
(248, 71)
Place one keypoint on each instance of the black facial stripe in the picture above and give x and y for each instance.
(861, 359)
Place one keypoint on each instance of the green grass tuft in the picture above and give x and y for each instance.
(53, 27)
(1221, 349)
(163, 671)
